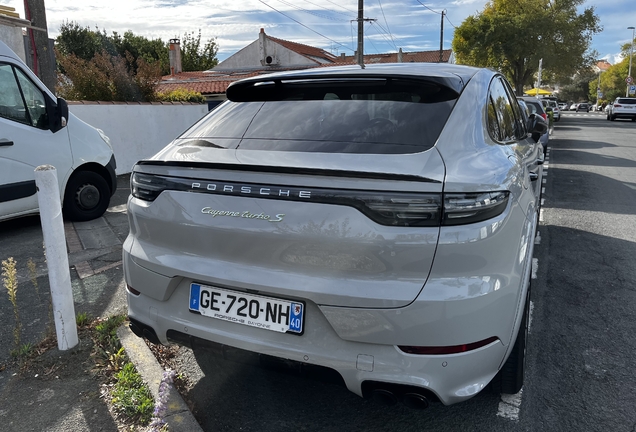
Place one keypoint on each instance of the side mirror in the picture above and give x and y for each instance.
(537, 126)
(57, 112)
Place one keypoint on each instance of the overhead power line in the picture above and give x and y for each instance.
(307, 27)
(329, 10)
(439, 13)
(319, 15)
(387, 25)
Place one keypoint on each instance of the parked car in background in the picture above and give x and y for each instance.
(36, 128)
(623, 107)
(573, 106)
(583, 106)
(318, 216)
(535, 106)
(563, 106)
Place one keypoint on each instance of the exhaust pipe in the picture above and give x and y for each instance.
(415, 401)
(384, 397)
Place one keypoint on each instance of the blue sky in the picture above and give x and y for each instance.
(406, 24)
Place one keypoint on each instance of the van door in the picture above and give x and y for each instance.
(26, 142)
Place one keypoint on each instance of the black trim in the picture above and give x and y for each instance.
(289, 170)
(110, 167)
(14, 191)
(5, 143)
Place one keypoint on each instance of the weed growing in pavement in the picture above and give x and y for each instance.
(106, 342)
(117, 360)
(10, 279)
(131, 396)
(82, 319)
(23, 351)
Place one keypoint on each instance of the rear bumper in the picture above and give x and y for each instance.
(452, 378)
(627, 115)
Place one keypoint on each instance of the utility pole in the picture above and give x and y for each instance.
(441, 39)
(43, 59)
(361, 20)
(361, 33)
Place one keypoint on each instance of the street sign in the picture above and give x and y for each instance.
(632, 89)
(599, 94)
(629, 80)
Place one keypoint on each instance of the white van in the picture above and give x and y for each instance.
(36, 128)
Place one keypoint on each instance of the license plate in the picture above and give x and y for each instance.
(268, 313)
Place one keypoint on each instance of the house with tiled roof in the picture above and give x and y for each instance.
(601, 66)
(269, 54)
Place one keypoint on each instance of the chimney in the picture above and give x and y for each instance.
(175, 56)
(342, 56)
(399, 56)
(262, 37)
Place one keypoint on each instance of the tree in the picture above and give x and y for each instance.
(579, 87)
(82, 42)
(155, 50)
(513, 35)
(197, 58)
(107, 78)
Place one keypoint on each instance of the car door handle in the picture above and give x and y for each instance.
(5, 142)
(534, 176)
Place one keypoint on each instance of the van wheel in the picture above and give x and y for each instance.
(509, 379)
(87, 196)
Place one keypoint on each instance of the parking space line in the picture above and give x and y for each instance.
(541, 215)
(544, 181)
(537, 238)
(542, 190)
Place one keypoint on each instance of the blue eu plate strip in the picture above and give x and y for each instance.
(195, 291)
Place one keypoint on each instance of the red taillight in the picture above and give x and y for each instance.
(545, 116)
(617, 106)
(455, 349)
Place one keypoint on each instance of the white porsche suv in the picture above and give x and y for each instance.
(379, 222)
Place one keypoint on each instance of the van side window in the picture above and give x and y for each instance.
(20, 99)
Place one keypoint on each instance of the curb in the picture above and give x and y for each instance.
(178, 416)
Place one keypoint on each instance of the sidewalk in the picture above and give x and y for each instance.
(59, 391)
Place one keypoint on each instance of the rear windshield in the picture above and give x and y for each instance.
(626, 101)
(350, 117)
(534, 107)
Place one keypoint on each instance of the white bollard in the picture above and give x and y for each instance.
(56, 256)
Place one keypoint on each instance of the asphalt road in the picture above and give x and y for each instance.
(580, 349)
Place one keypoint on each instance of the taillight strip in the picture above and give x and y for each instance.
(416, 209)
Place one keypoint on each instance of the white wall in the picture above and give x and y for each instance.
(12, 36)
(138, 131)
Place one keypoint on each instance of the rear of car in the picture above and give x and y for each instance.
(363, 220)
(623, 107)
(583, 106)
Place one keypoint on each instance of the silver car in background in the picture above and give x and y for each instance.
(379, 222)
